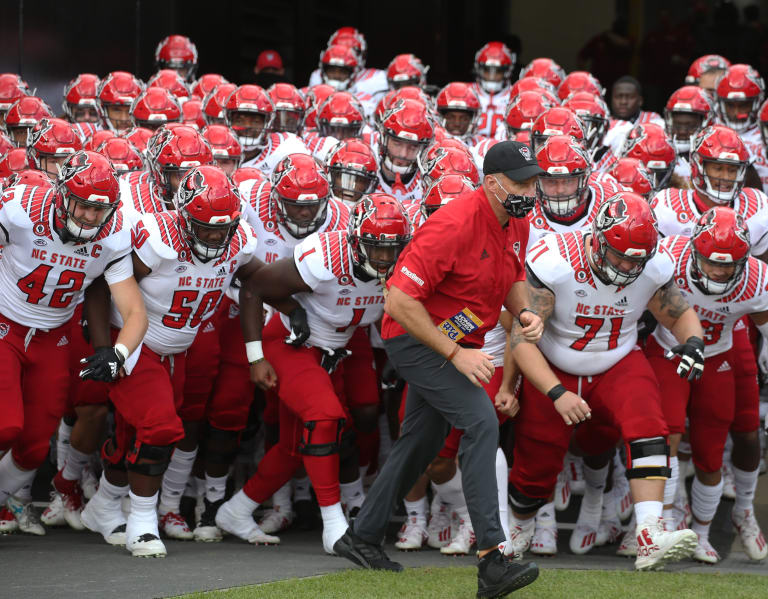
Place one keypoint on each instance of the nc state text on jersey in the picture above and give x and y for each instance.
(366, 300)
(599, 310)
(202, 282)
(61, 259)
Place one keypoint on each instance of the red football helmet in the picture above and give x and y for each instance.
(624, 238)
(650, 144)
(50, 143)
(139, 137)
(351, 37)
(720, 245)
(494, 63)
(544, 68)
(631, 173)
(353, 170)
(379, 229)
(315, 96)
(177, 52)
(116, 93)
(688, 110)
(249, 112)
(206, 83)
(27, 176)
(443, 190)
(12, 88)
(192, 113)
(739, 93)
(171, 153)
(705, 64)
(405, 130)
(227, 153)
(341, 115)
(563, 188)
(80, 102)
(208, 207)
(406, 69)
(86, 182)
(449, 156)
(24, 114)
(214, 102)
(123, 155)
(534, 84)
(579, 81)
(98, 138)
(339, 64)
(762, 118)
(594, 115)
(524, 109)
(300, 193)
(722, 150)
(408, 92)
(5, 143)
(459, 107)
(556, 121)
(172, 81)
(12, 161)
(289, 107)
(247, 173)
(155, 107)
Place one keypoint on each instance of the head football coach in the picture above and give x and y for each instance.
(445, 294)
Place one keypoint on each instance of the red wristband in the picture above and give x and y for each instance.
(453, 353)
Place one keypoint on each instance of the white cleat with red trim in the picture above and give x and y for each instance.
(657, 547)
(705, 552)
(439, 527)
(752, 538)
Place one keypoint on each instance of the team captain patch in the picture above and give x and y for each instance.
(460, 325)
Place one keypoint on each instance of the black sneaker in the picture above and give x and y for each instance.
(498, 576)
(364, 554)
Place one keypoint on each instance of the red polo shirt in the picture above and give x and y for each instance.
(461, 264)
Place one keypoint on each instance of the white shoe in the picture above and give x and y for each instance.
(462, 538)
(562, 492)
(146, 545)
(628, 547)
(276, 520)
(729, 489)
(26, 517)
(109, 523)
(53, 515)
(243, 528)
(8, 524)
(751, 536)
(656, 547)
(519, 539)
(439, 527)
(573, 469)
(412, 534)
(704, 552)
(88, 482)
(583, 539)
(544, 541)
(173, 526)
(608, 532)
(206, 530)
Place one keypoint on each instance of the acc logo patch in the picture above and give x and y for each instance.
(271, 240)
(4, 329)
(40, 242)
(580, 293)
(345, 291)
(180, 268)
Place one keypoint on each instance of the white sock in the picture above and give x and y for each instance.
(704, 501)
(609, 505)
(644, 509)
(111, 493)
(525, 525)
(143, 516)
(301, 488)
(670, 487)
(452, 493)
(546, 514)
(416, 509)
(502, 482)
(592, 502)
(24, 494)
(62, 444)
(75, 463)
(334, 522)
(175, 479)
(745, 483)
(282, 497)
(352, 494)
(215, 487)
(241, 505)
(12, 478)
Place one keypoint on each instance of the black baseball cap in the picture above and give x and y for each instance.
(512, 159)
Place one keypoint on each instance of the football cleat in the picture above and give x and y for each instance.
(704, 552)
(657, 547)
(462, 538)
(412, 534)
(276, 520)
(609, 532)
(146, 545)
(751, 536)
(562, 492)
(519, 538)
(109, 523)
(173, 526)
(544, 541)
(628, 547)
(26, 516)
(8, 524)
(53, 515)
(583, 539)
(243, 528)
(206, 530)
(439, 527)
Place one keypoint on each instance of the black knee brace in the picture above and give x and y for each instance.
(159, 454)
(523, 504)
(306, 447)
(648, 448)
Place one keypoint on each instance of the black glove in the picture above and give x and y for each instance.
(691, 354)
(332, 357)
(389, 376)
(103, 366)
(299, 327)
(645, 326)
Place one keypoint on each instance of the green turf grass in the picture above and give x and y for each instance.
(461, 583)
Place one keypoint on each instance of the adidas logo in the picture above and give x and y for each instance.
(723, 310)
(82, 251)
(209, 328)
(221, 272)
(484, 255)
(622, 302)
(62, 341)
(724, 367)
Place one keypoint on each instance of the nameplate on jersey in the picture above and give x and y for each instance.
(460, 325)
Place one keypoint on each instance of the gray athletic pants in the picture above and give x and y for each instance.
(439, 397)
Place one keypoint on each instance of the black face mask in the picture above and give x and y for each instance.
(516, 206)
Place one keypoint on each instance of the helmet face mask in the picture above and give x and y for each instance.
(300, 193)
(719, 161)
(85, 219)
(724, 180)
(563, 197)
(350, 184)
(720, 248)
(250, 127)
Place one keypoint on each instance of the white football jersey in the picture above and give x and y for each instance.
(405, 193)
(278, 146)
(492, 109)
(139, 196)
(369, 81)
(677, 211)
(757, 154)
(42, 278)
(320, 146)
(593, 325)
(181, 292)
(479, 151)
(339, 301)
(718, 313)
